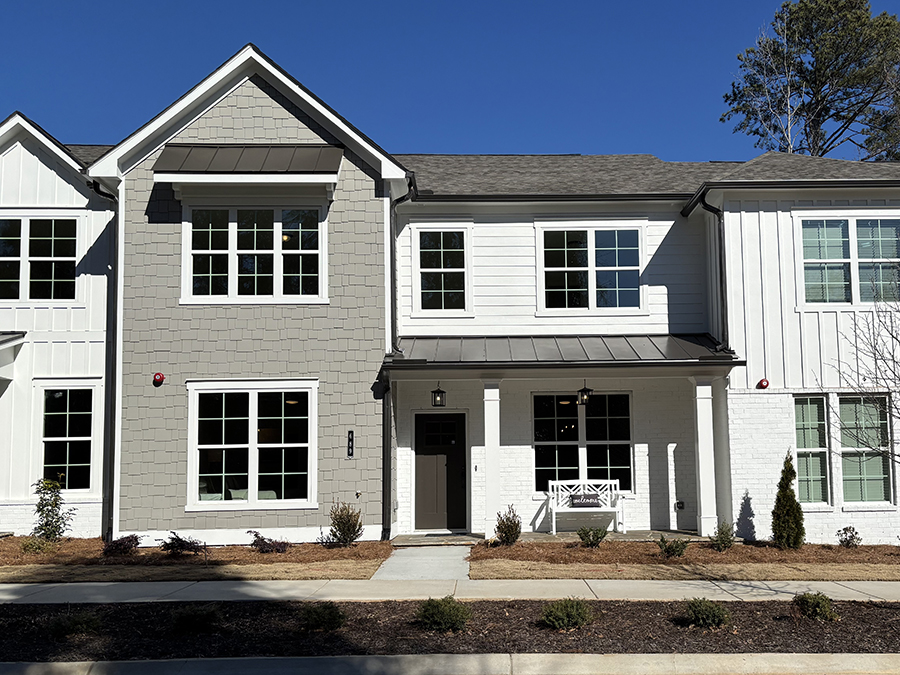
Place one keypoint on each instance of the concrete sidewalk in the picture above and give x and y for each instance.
(463, 589)
(490, 664)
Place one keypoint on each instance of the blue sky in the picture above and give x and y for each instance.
(596, 77)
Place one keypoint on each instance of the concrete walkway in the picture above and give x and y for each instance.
(425, 562)
(463, 589)
(490, 664)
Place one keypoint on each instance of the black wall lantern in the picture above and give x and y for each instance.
(584, 394)
(438, 397)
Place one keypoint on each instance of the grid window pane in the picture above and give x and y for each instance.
(51, 253)
(879, 282)
(864, 422)
(300, 241)
(878, 239)
(809, 418)
(566, 250)
(827, 282)
(866, 477)
(812, 477)
(555, 439)
(209, 232)
(826, 239)
(610, 462)
(67, 437)
(440, 251)
(10, 238)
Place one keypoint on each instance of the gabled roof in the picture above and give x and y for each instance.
(781, 166)
(17, 122)
(249, 60)
(88, 154)
(447, 177)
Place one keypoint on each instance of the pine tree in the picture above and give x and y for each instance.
(787, 516)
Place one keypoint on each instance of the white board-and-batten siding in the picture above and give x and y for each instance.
(794, 345)
(65, 340)
(505, 276)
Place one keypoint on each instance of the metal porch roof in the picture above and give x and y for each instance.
(255, 158)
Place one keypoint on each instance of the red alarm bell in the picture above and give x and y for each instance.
(763, 384)
(158, 379)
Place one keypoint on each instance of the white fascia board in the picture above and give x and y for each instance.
(246, 178)
(17, 123)
(245, 61)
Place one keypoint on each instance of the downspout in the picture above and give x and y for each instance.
(109, 394)
(385, 379)
(723, 294)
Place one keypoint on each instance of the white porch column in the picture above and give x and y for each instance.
(491, 456)
(707, 519)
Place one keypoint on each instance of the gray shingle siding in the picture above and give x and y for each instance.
(341, 344)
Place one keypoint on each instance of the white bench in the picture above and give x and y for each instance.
(603, 496)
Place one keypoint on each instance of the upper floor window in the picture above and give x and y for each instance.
(37, 258)
(256, 255)
(591, 268)
(442, 270)
(851, 259)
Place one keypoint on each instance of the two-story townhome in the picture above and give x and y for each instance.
(300, 318)
(55, 267)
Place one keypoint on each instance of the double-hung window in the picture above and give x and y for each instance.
(37, 258)
(851, 259)
(812, 449)
(252, 445)
(591, 268)
(592, 441)
(441, 269)
(254, 255)
(66, 437)
(865, 461)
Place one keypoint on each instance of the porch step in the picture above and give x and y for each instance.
(435, 539)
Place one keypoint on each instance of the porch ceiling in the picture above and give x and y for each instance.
(10, 338)
(561, 351)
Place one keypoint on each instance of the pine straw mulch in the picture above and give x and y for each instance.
(642, 560)
(192, 630)
(82, 560)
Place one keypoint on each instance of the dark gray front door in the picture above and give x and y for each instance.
(440, 472)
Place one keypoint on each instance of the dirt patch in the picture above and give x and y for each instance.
(189, 630)
(525, 569)
(82, 560)
(697, 553)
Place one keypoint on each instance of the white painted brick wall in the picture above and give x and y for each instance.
(19, 518)
(761, 430)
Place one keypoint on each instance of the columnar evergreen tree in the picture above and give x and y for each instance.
(787, 516)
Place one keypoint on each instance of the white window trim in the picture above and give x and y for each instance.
(639, 224)
(82, 244)
(838, 469)
(97, 419)
(277, 298)
(798, 215)
(467, 228)
(194, 388)
(582, 438)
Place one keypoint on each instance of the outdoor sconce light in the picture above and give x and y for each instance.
(438, 397)
(584, 394)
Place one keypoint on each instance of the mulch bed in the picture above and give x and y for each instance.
(72, 551)
(647, 553)
(191, 630)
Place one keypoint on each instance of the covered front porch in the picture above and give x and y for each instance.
(655, 422)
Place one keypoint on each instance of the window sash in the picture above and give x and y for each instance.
(442, 269)
(866, 477)
(67, 455)
(38, 255)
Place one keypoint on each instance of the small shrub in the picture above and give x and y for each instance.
(346, 525)
(509, 527)
(705, 613)
(722, 537)
(126, 545)
(37, 546)
(79, 622)
(787, 516)
(52, 519)
(672, 548)
(566, 614)
(815, 606)
(849, 537)
(592, 536)
(265, 545)
(444, 615)
(196, 618)
(321, 616)
(176, 545)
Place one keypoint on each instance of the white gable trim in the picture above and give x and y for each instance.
(16, 124)
(248, 61)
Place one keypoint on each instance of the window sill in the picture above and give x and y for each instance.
(273, 505)
(817, 508)
(44, 304)
(820, 307)
(442, 314)
(252, 300)
(872, 507)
